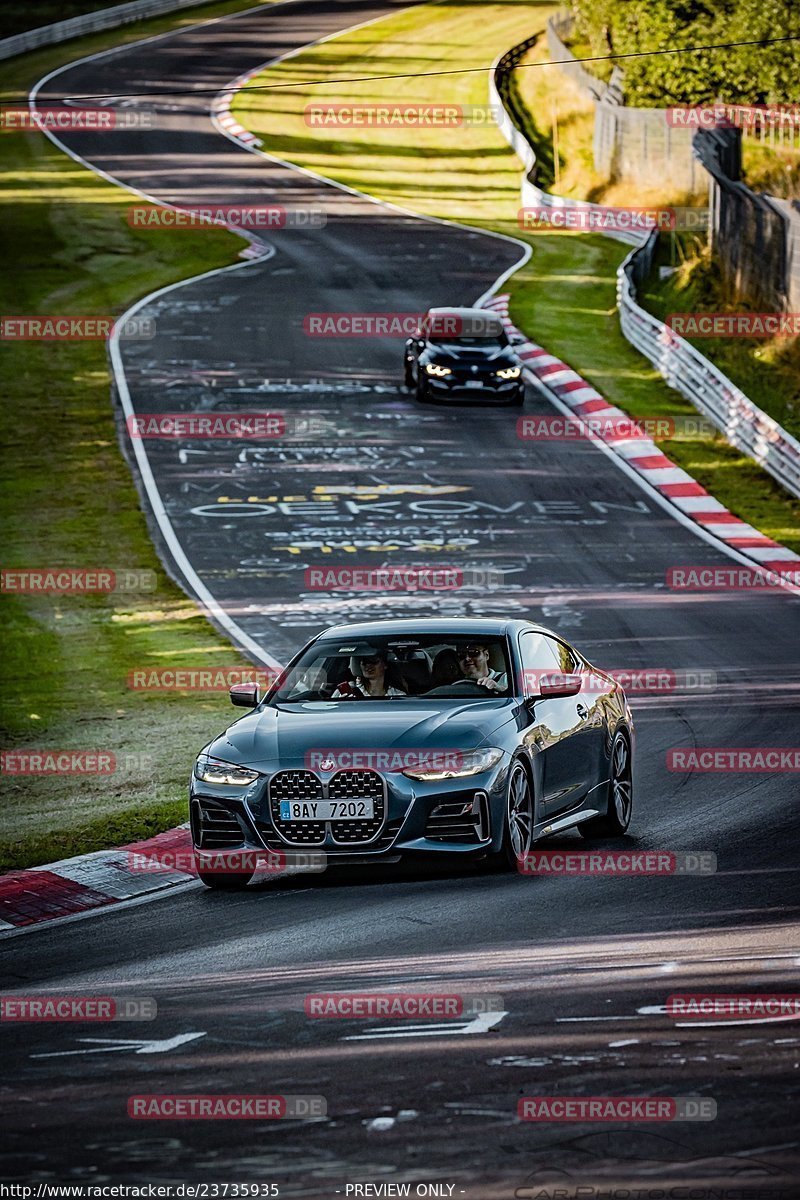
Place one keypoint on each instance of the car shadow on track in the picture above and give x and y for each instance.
(420, 869)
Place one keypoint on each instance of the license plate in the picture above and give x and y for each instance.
(327, 810)
(474, 383)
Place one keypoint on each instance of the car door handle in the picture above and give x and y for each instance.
(582, 710)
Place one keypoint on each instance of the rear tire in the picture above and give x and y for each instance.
(616, 820)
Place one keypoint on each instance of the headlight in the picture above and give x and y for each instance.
(214, 770)
(463, 765)
(509, 373)
(437, 369)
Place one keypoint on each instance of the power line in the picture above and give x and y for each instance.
(554, 62)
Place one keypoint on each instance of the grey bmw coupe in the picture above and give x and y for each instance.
(401, 737)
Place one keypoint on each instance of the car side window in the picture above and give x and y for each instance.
(567, 661)
(539, 653)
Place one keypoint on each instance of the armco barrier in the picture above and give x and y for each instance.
(744, 425)
(92, 22)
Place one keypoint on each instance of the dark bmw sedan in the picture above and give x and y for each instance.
(463, 354)
(394, 738)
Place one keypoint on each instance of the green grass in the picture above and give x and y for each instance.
(67, 499)
(565, 297)
(773, 169)
(465, 172)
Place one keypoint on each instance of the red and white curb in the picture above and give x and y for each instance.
(90, 881)
(645, 458)
(221, 109)
(227, 123)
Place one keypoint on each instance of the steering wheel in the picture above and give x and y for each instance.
(457, 689)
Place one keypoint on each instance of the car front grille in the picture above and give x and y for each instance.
(357, 785)
(215, 828)
(344, 785)
(296, 785)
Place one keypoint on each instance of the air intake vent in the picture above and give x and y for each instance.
(216, 828)
(463, 820)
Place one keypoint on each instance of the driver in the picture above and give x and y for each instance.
(473, 659)
(369, 678)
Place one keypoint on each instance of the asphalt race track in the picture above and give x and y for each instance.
(583, 550)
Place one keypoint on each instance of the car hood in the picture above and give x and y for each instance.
(285, 734)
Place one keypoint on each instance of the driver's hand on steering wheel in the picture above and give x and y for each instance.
(487, 682)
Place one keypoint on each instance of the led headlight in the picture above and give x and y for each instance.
(437, 369)
(509, 373)
(214, 770)
(462, 765)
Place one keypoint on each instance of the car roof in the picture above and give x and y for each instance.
(498, 626)
(463, 312)
(488, 318)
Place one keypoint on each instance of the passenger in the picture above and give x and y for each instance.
(446, 668)
(369, 678)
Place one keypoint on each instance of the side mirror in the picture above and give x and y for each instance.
(517, 339)
(244, 695)
(552, 685)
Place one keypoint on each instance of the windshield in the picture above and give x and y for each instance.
(489, 340)
(399, 668)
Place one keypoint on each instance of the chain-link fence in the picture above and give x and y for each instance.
(639, 145)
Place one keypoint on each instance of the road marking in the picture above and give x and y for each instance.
(479, 1024)
(564, 1020)
(660, 1010)
(137, 1045)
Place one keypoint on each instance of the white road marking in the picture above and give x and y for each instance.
(479, 1024)
(138, 1045)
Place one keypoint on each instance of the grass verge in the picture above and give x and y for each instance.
(68, 499)
(565, 297)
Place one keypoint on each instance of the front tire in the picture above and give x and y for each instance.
(620, 795)
(519, 818)
(408, 377)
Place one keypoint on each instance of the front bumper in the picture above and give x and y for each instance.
(456, 816)
(474, 387)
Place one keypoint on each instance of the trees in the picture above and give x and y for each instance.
(742, 75)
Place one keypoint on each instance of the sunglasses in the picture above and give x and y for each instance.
(471, 651)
